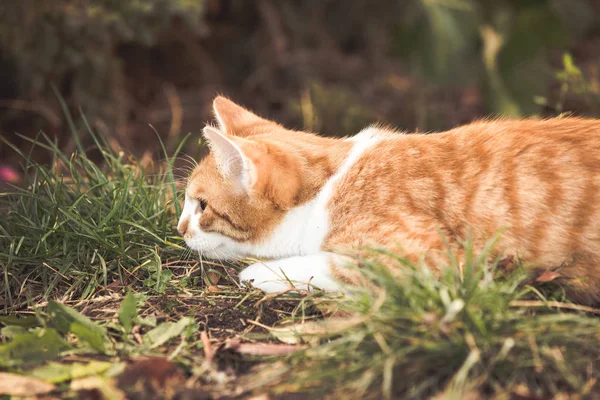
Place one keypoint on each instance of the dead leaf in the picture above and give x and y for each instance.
(547, 276)
(212, 278)
(19, 385)
(155, 371)
(313, 330)
(95, 387)
(522, 392)
(507, 264)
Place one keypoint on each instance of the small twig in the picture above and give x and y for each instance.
(136, 334)
(209, 351)
(537, 362)
(55, 270)
(177, 264)
(556, 304)
(256, 322)
(301, 292)
(268, 328)
(266, 349)
(246, 297)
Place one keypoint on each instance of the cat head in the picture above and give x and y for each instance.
(255, 173)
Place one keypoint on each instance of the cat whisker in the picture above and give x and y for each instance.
(189, 159)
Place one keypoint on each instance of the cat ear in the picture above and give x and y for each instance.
(234, 119)
(230, 158)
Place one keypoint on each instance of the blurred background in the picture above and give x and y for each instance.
(331, 66)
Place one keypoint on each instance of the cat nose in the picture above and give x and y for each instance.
(182, 227)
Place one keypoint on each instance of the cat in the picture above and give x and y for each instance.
(299, 200)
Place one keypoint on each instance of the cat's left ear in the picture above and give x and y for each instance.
(234, 119)
(231, 160)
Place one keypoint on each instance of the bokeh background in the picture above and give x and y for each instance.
(331, 66)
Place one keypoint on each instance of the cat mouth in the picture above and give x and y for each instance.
(204, 248)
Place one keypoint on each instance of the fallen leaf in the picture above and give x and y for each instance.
(31, 348)
(12, 331)
(154, 372)
(212, 277)
(313, 330)
(66, 320)
(26, 322)
(146, 321)
(116, 284)
(507, 264)
(54, 372)
(167, 331)
(19, 385)
(90, 335)
(547, 276)
(96, 387)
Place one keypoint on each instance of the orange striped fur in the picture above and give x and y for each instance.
(538, 180)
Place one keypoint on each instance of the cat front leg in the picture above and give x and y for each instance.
(300, 272)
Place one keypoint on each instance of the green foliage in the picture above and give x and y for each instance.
(169, 330)
(439, 39)
(66, 320)
(54, 372)
(112, 58)
(75, 44)
(32, 347)
(573, 85)
(48, 340)
(332, 111)
(158, 277)
(27, 351)
(128, 311)
(79, 224)
(501, 44)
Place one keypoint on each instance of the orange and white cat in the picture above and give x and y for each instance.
(294, 198)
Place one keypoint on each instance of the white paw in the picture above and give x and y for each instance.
(301, 272)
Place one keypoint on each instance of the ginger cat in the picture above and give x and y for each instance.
(295, 198)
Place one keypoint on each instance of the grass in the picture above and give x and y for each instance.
(94, 276)
(463, 334)
(79, 226)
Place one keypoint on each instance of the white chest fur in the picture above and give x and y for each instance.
(296, 243)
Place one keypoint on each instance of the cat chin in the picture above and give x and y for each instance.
(215, 247)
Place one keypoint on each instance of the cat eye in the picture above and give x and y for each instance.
(202, 204)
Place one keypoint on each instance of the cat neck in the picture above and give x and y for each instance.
(304, 228)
